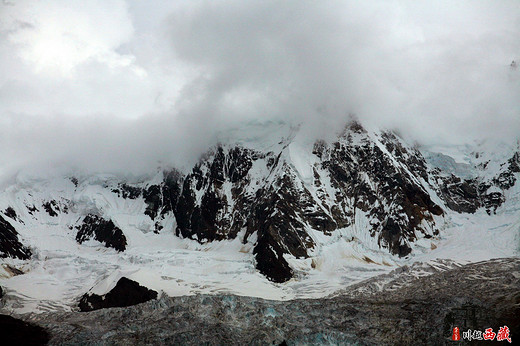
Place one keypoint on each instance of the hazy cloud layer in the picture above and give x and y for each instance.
(121, 85)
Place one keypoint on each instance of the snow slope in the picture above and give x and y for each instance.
(62, 270)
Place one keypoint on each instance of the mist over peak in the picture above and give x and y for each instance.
(130, 85)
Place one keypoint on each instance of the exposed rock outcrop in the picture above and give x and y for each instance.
(161, 199)
(50, 208)
(385, 185)
(10, 212)
(126, 293)
(127, 191)
(377, 177)
(460, 195)
(10, 245)
(104, 231)
(468, 195)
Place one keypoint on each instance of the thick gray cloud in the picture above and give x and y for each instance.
(121, 85)
(437, 69)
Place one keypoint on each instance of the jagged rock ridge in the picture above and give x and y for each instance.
(371, 183)
(379, 179)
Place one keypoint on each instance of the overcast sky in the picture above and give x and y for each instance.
(113, 83)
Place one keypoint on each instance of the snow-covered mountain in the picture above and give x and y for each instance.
(266, 212)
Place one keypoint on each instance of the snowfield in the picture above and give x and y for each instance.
(62, 270)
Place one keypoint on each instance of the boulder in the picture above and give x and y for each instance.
(126, 293)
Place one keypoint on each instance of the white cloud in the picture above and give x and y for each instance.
(81, 58)
(54, 37)
(157, 78)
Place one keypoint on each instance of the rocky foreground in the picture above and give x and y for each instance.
(408, 306)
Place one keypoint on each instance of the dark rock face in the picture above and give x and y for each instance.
(53, 207)
(101, 230)
(32, 209)
(162, 199)
(10, 246)
(506, 179)
(126, 293)
(49, 208)
(460, 195)
(18, 332)
(422, 310)
(279, 217)
(223, 196)
(10, 212)
(368, 180)
(212, 215)
(492, 201)
(127, 191)
(468, 195)
(269, 259)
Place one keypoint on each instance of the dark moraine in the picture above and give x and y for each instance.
(393, 310)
